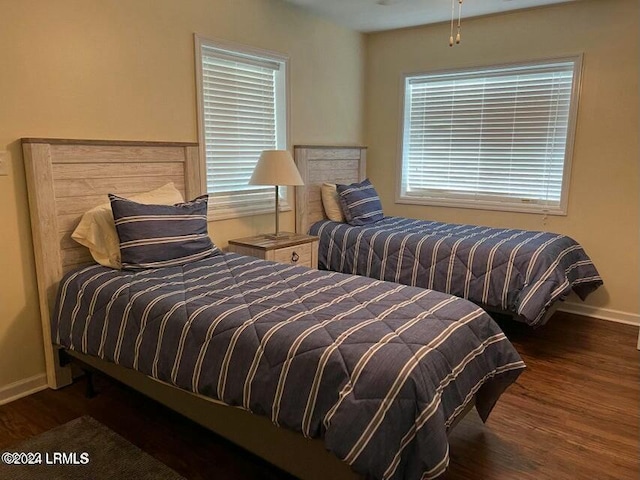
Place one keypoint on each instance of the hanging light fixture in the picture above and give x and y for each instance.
(453, 16)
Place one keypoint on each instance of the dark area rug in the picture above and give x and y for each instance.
(90, 451)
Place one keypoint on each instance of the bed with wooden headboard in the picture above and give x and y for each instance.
(401, 243)
(65, 178)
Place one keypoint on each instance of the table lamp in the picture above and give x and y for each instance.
(276, 167)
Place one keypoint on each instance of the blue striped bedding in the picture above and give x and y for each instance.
(519, 271)
(379, 370)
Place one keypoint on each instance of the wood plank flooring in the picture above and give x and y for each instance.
(573, 414)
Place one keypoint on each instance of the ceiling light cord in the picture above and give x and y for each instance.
(453, 13)
(453, 16)
(459, 17)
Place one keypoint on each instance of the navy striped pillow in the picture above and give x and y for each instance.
(360, 203)
(153, 236)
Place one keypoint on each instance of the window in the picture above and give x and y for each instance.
(496, 138)
(242, 110)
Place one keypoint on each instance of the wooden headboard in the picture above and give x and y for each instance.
(317, 165)
(65, 178)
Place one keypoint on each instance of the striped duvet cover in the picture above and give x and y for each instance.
(519, 271)
(379, 370)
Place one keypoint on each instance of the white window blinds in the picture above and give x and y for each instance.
(490, 138)
(243, 113)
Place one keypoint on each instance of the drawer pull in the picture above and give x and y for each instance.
(295, 257)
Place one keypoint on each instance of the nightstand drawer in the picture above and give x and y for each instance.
(291, 249)
(298, 255)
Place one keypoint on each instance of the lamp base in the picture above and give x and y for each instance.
(279, 235)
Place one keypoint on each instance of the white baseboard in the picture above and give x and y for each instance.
(599, 312)
(22, 388)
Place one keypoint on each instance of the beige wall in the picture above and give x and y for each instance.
(603, 204)
(112, 69)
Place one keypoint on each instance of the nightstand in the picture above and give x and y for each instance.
(297, 249)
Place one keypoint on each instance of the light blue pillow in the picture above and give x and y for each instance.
(360, 203)
(154, 236)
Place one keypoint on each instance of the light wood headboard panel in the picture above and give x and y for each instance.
(65, 178)
(317, 165)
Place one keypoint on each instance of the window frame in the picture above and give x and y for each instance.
(487, 203)
(284, 90)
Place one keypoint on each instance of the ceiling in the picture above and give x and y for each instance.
(376, 15)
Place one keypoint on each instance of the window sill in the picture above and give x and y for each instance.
(213, 216)
(483, 205)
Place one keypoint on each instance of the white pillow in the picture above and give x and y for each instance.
(331, 202)
(97, 230)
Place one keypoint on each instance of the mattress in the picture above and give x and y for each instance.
(380, 371)
(519, 271)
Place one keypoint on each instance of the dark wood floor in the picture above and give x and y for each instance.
(573, 414)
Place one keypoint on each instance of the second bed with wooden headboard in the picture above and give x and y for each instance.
(518, 272)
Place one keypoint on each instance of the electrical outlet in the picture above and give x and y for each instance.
(4, 161)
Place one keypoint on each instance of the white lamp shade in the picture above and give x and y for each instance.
(276, 167)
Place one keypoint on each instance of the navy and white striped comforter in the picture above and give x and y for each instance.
(519, 271)
(380, 370)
